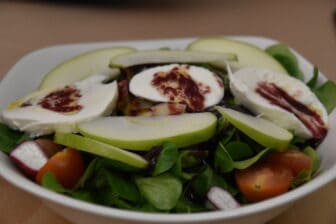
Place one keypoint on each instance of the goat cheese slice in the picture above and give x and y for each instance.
(195, 86)
(282, 99)
(49, 110)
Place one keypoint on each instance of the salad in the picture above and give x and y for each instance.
(214, 126)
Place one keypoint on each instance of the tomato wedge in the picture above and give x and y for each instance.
(263, 180)
(66, 165)
(293, 159)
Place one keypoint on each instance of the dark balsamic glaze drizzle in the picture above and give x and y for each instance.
(178, 86)
(62, 100)
(277, 96)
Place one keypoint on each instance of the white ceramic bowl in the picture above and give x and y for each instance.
(25, 76)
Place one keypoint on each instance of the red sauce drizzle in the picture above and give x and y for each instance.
(26, 104)
(179, 87)
(277, 96)
(63, 100)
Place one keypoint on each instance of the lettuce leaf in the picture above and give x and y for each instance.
(9, 138)
(326, 94)
(287, 59)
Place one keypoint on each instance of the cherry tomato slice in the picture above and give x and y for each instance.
(66, 165)
(263, 180)
(293, 159)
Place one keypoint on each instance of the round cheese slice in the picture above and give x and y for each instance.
(60, 109)
(280, 98)
(195, 86)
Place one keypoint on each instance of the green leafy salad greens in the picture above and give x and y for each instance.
(177, 180)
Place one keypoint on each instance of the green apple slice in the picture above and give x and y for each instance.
(248, 54)
(100, 149)
(142, 133)
(262, 131)
(82, 66)
(171, 56)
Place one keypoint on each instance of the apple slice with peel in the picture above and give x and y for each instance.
(171, 56)
(262, 131)
(248, 54)
(142, 133)
(82, 66)
(100, 149)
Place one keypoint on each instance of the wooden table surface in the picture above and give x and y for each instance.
(304, 25)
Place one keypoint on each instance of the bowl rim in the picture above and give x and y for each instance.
(10, 173)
